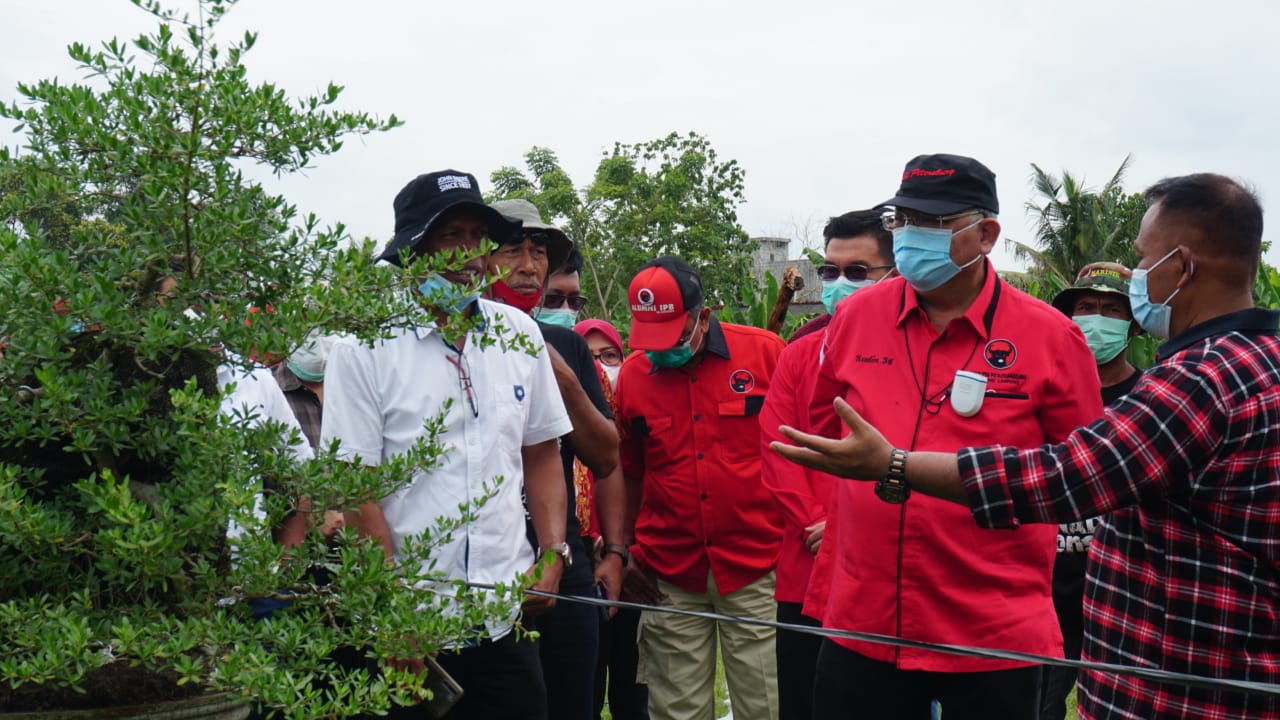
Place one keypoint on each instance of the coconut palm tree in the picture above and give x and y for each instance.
(1076, 225)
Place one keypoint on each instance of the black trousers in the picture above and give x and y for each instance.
(616, 667)
(1068, 602)
(569, 638)
(797, 663)
(852, 686)
(500, 679)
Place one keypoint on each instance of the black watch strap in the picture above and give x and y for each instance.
(893, 488)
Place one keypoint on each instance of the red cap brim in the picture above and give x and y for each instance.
(656, 334)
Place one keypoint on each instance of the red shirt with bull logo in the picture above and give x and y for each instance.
(924, 570)
(692, 434)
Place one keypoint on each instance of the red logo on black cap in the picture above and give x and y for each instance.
(1000, 354)
(921, 172)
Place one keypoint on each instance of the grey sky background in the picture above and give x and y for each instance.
(820, 102)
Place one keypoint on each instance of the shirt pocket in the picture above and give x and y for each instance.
(511, 406)
(739, 432)
(655, 436)
(508, 395)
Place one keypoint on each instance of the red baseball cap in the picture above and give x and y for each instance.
(660, 296)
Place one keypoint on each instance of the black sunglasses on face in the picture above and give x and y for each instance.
(555, 300)
(855, 271)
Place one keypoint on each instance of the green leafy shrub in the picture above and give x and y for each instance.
(118, 472)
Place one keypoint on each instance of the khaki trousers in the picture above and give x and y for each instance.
(678, 653)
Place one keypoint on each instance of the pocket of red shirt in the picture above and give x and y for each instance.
(739, 431)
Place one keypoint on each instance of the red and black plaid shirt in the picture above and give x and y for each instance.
(1184, 573)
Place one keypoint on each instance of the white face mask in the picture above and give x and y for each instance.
(611, 371)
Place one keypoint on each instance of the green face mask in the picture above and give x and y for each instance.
(1107, 337)
(673, 358)
(677, 356)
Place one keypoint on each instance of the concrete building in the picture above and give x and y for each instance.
(770, 256)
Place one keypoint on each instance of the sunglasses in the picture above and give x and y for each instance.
(855, 271)
(556, 300)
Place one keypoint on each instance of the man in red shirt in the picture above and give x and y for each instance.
(1183, 470)
(858, 253)
(946, 356)
(707, 532)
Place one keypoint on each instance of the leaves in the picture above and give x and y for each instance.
(135, 257)
(669, 196)
(1076, 226)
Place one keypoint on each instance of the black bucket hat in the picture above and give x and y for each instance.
(426, 197)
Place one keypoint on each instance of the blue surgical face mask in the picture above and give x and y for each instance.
(840, 288)
(560, 317)
(1107, 336)
(445, 295)
(923, 255)
(1150, 316)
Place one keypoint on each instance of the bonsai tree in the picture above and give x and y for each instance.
(136, 258)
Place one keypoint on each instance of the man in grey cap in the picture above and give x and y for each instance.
(502, 419)
(568, 633)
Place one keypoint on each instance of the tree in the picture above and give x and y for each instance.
(1076, 226)
(119, 474)
(669, 196)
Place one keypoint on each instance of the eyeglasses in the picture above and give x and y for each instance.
(464, 381)
(608, 356)
(555, 300)
(856, 272)
(894, 219)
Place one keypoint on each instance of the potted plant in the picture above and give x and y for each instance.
(136, 257)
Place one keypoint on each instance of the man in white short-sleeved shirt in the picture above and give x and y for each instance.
(503, 415)
(256, 394)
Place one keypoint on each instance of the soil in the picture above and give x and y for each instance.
(115, 685)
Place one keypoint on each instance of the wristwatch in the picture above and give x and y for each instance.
(893, 487)
(561, 549)
(622, 551)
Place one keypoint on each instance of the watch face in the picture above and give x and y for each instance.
(892, 492)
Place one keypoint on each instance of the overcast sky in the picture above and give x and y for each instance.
(820, 102)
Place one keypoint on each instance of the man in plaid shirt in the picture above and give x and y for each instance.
(1184, 572)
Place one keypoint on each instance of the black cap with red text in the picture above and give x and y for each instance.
(660, 296)
(946, 184)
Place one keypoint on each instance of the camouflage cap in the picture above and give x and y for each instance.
(1103, 277)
